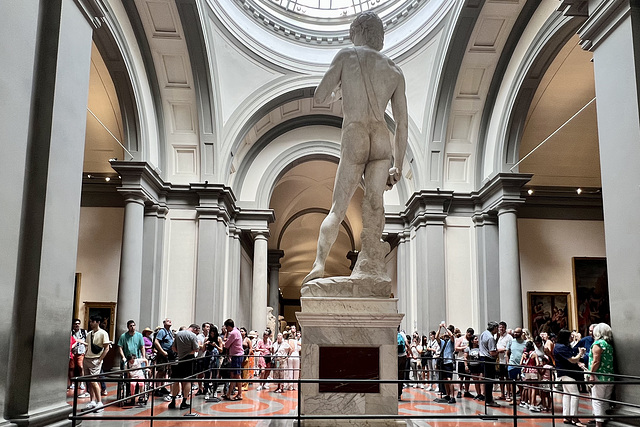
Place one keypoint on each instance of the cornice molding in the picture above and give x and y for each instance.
(602, 21)
(501, 190)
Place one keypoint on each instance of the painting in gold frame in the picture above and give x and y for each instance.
(106, 310)
(548, 312)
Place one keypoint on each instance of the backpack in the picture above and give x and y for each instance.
(401, 344)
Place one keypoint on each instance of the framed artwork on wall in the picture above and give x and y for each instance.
(548, 312)
(592, 292)
(107, 310)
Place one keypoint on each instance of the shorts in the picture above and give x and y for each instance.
(514, 372)
(502, 371)
(488, 367)
(236, 364)
(447, 369)
(92, 366)
(461, 370)
(160, 359)
(531, 376)
(475, 369)
(184, 368)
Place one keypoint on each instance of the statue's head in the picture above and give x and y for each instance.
(369, 25)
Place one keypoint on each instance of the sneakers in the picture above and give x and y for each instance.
(493, 404)
(71, 387)
(90, 405)
(452, 400)
(422, 386)
(104, 393)
(168, 398)
(206, 396)
(534, 408)
(428, 388)
(524, 405)
(185, 405)
(479, 398)
(172, 404)
(259, 388)
(83, 395)
(469, 395)
(99, 407)
(459, 396)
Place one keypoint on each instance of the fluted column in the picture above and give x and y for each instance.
(510, 288)
(259, 290)
(274, 280)
(129, 283)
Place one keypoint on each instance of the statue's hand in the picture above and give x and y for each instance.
(394, 176)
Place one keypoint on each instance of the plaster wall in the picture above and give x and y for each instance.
(99, 247)
(460, 273)
(546, 251)
(177, 299)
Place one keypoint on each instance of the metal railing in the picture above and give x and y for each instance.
(489, 413)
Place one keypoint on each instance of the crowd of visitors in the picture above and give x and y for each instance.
(510, 354)
(232, 356)
(226, 357)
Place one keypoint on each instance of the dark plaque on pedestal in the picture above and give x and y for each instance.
(357, 363)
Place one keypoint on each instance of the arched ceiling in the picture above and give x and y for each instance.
(100, 146)
(571, 157)
(300, 200)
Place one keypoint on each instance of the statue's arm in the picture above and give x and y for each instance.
(329, 84)
(400, 115)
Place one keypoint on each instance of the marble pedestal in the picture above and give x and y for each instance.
(338, 321)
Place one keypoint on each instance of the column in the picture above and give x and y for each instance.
(45, 80)
(274, 280)
(130, 281)
(259, 290)
(611, 33)
(509, 261)
(488, 295)
(152, 256)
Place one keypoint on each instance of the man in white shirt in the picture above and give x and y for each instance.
(97, 348)
(502, 345)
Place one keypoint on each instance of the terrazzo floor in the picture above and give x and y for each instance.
(415, 401)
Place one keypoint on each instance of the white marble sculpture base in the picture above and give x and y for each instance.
(349, 322)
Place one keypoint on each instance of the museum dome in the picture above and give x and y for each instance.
(304, 34)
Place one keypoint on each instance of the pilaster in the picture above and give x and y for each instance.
(259, 289)
(273, 262)
(45, 81)
(611, 33)
(426, 213)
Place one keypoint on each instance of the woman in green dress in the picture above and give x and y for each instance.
(601, 362)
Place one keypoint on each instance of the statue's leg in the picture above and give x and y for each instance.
(347, 180)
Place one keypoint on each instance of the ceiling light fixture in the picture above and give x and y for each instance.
(530, 191)
(579, 191)
(107, 179)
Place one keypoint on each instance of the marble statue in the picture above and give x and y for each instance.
(271, 321)
(366, 80)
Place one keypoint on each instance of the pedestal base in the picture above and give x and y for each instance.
(336, 323)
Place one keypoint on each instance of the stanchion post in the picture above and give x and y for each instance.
(515, 405)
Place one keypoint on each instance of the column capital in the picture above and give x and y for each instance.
(500, 190)
(273, 258)
(216, 201)
(428, 207)
(140, 176)
(260, 234)
(604, 17)
(158, 210)
(481, 219)
(133, 196)
(507, 208)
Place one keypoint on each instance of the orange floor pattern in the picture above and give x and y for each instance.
(415, 402)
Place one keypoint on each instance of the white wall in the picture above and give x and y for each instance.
(460, 271)
(99, 246)
(178, 279)
(546, 251)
